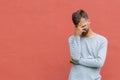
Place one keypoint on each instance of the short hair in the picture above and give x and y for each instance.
(76, 16)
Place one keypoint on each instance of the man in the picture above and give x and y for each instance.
(87, 49)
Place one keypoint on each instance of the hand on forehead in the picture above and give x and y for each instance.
(83, 21)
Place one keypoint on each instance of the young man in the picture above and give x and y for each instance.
(87, 49)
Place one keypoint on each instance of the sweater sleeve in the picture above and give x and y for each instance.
(74, 45)
(99, 61)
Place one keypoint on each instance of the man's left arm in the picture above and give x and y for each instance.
(96, 62)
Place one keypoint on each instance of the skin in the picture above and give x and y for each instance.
(83, 29)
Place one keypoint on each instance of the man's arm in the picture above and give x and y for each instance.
(99, 61)
(74, 45)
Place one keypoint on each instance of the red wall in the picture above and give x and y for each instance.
(34, 37)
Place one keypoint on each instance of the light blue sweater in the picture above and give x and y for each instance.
(89, 55)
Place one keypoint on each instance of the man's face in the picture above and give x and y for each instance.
(84, 23)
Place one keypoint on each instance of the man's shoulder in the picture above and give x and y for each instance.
(72, 36)
(102, 38)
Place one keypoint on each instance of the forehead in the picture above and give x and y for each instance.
(82, 20)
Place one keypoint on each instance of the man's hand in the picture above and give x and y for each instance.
(80, 29)
(73, 61)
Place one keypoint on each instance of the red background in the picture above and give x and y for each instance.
(34, 37)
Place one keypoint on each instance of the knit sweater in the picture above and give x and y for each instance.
(89, 55)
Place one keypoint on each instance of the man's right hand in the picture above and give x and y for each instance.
(79, 30)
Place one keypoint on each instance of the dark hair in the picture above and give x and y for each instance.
(76, 16)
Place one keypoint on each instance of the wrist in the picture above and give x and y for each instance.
(76, 35)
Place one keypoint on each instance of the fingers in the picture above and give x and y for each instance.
(81, 29)
(72, 62)
(84, 30)
(84, 27)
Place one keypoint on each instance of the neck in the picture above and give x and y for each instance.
(90, 33)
